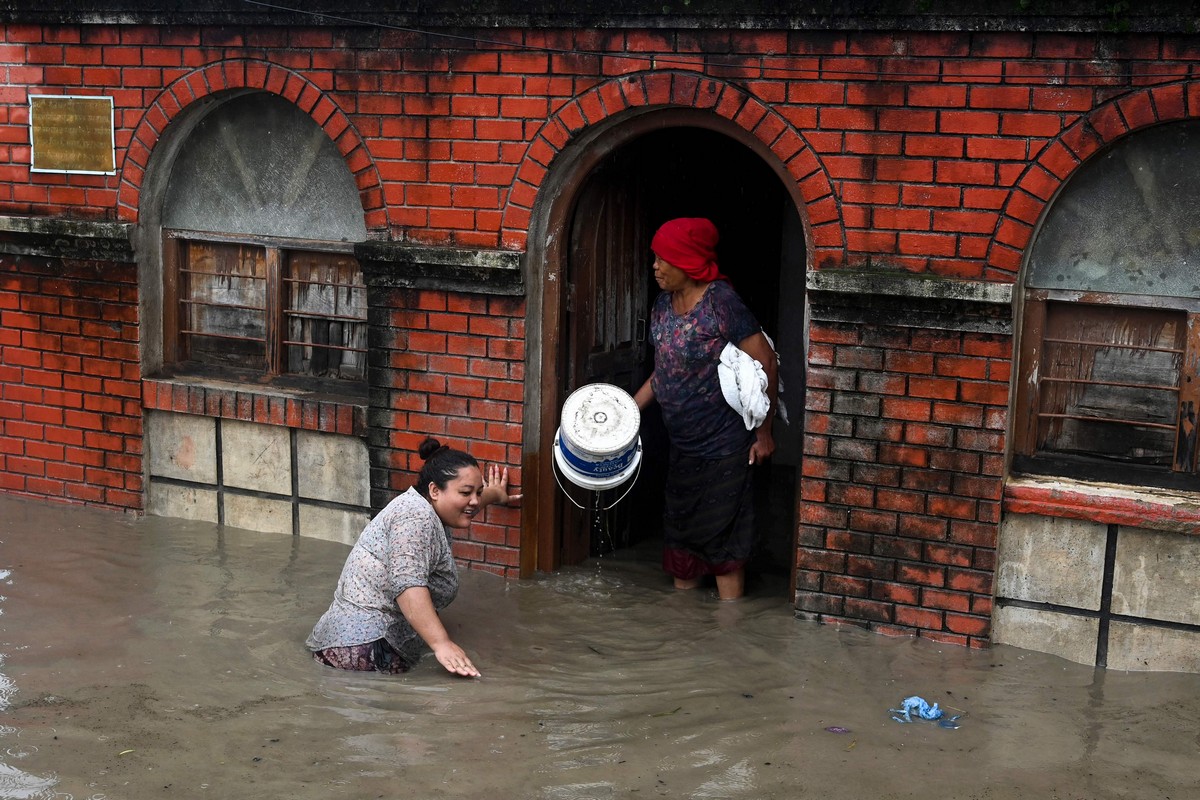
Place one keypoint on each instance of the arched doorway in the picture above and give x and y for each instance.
(622, 184)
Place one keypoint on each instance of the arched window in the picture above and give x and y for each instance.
(260, 283)
(1109, 381)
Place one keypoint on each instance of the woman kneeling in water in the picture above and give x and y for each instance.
(401, 571)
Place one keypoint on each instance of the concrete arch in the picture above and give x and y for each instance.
(758, 124)
(207, 84)
(1059, 160)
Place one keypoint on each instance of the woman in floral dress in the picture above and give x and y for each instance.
(708, 521)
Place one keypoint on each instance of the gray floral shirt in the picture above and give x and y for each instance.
(405, 545)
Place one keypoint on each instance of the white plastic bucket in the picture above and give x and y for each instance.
(597, 445)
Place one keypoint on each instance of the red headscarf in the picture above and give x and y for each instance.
(690, 244)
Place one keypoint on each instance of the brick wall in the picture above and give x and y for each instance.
(450, 367)
(70, 411)
(924, 134)
(903, 467)
(919, 153)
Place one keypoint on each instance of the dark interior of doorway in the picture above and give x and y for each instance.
(686, 172)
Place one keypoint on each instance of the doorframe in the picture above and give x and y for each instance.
(546, 258)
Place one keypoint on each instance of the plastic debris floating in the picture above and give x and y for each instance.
(921, 709)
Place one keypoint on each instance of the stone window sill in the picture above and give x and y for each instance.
(269, 406)
(1110, 504)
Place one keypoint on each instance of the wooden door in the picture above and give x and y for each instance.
(605, 327)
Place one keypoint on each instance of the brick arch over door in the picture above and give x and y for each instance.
(581, 135)
(665, 89)
(1059, 160)
(242, 74)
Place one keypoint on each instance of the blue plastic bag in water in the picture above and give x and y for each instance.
(915, 705)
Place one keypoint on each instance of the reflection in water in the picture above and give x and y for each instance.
(154, 657)
(22, 786)
(16, 784)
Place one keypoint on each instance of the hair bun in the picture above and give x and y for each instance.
(428, 448)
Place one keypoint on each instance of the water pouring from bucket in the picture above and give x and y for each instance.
(597, 446)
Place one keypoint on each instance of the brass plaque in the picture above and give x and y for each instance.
(72, 134)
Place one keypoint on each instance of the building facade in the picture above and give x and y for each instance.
(250, 256)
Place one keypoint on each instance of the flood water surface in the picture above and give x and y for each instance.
(149, 658)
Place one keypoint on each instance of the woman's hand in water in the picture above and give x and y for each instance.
(416, 605)
(452, 657)
(495, 487)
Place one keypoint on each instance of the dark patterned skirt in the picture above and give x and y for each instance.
(378, 656)
(708, 522)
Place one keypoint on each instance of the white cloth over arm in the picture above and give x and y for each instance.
(744, 385)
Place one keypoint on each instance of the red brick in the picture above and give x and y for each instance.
(907, 409)
(980, 440)
(983, 488)
(863, 609)
(910, 170)
(929, 528)
(883, 522)
(921, 574)
(970, 122)
(908, 120)
(818, 603)
(966, 172)
(946, 601)
(953, 507)
(933, 196)
(945, 638)
(1000, 97)
(995, 394)
(960, 367)
(937, 96)
(957, 414)
(902, 501)
(963, 580)
(933, 388)
(972, 626)
(848, 449)
(903, 219)
(977, 534)
(820, 560)
(920, 363)
(895, 593)
(846, 585)
(918, 617)
(870, 566)
(948, 554)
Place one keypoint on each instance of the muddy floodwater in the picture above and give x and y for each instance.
(154, 658)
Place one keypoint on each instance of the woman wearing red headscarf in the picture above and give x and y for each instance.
(708, 521)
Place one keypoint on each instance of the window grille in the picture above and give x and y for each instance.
(275, 308)
(1109, 392)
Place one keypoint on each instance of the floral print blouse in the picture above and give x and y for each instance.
(405, 545)
(687, 350)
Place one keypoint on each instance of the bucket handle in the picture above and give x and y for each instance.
(632, 481)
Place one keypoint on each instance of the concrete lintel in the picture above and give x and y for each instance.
(50, 237)
(397, 265)
(909, 318)
(910, 301)
(903, 284)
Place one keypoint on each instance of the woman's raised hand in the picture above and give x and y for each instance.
(495, 487)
